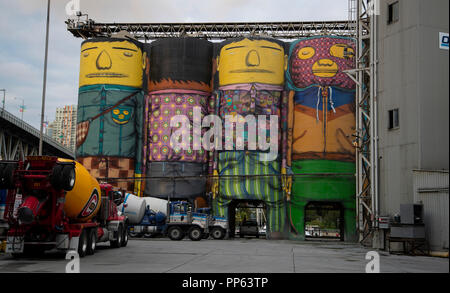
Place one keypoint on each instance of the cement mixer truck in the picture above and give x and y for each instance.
(182, 219)
(55, 204)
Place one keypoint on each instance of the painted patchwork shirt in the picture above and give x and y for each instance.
(161, 107)
(115, 133)
(250, 99)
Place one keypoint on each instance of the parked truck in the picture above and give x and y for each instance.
(182, 220)
(55, 204)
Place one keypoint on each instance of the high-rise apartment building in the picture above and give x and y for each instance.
(63, 129)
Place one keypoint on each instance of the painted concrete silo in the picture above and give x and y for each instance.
(322, 120)
(178, 83)
(250, 82)
(110, 110)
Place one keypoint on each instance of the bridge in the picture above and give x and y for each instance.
(18, 139)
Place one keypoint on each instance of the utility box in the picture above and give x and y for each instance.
(411, 214)
(408, 231)
(383, 222)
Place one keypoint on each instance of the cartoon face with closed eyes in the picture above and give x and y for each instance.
(251, 61)
(111, 62)
(321, 61)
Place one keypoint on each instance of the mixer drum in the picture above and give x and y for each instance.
(84, 200)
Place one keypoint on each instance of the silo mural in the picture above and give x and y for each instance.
(178, 82)
(110, 110)
(322, 121)
(250, 82)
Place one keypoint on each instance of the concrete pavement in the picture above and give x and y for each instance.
(247, 255)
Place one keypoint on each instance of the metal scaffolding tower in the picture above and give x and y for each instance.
(363, 14)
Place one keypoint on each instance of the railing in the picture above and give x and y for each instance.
(33, 131)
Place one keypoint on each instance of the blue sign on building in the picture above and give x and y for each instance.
(443, 41)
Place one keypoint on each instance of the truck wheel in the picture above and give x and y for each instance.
(118, 242)
(92, 242)
(195, 233)
(2, 167)
(218, 233)
(7, 176)
(83, 244)
(133, 234)
(175, 233)
(56, 176)
(68, 177)
(124, 237)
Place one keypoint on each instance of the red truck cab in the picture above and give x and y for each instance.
(37, 189)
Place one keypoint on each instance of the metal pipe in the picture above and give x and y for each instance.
(45, 80)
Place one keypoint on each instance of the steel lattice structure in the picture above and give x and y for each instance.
(149, 31)
(363, 13)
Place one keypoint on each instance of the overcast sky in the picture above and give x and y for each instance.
(22, 38)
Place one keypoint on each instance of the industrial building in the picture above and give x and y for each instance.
(413, 112)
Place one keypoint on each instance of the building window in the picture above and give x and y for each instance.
(393, 12)
(394, 122)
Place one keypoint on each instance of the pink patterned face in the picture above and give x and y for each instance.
(321, 61)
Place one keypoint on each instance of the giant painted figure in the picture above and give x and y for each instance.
(110, 110)
(251, 80)
(178, 79)
(322, 122)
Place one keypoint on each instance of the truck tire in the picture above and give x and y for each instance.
(56, 177)
(175, 233)
(7, 176)
(133, 234)
(118, 242)
(218, 233)
(124, 237)
(68, 177)
(2, 167)
(195, 233)
(92, 241)
(83, 243)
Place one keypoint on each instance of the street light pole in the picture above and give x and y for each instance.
(4, 97)
(45, 80)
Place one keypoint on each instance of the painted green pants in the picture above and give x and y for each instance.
(266, 189)
(339, 187)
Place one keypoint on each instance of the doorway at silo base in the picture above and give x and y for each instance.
(324, 221)
(247, 218)
(258, 219)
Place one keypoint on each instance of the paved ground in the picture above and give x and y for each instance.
(228, 256)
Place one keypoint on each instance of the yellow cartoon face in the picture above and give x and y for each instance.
(114, 62)
(250, 61)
